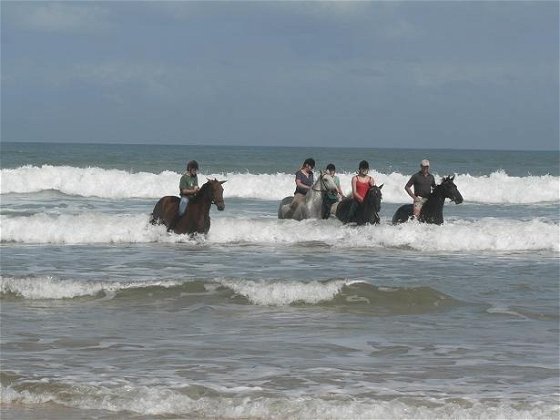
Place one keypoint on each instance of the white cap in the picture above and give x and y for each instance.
(425, 162)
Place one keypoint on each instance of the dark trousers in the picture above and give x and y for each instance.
(326, 208)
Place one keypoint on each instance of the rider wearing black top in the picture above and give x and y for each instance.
(423, 182)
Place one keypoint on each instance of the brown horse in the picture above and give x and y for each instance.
(196, 219)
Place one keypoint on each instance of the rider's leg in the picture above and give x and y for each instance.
(352, 210)
(417, 206)
(296, 202)
(326, 207)
(181, 211)
(183, 205)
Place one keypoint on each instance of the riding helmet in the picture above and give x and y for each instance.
(310, 162)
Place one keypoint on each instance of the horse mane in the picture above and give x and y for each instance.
(203, 191)
(439, 186)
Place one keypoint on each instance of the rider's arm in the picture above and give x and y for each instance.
(338, 188)
(190, 191)
(187, 187)
(300, 184)
(340, 191)
(408, 189)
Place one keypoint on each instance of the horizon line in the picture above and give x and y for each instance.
(97, 142)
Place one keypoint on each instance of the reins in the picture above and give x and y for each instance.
(322, 182)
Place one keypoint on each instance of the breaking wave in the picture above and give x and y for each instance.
(497, 187)
(486, 235)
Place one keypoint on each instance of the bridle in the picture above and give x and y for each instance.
(323, 183)
(213, 201)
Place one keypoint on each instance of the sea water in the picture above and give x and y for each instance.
(104, 315)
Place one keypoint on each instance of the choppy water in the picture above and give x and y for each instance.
(106, 316)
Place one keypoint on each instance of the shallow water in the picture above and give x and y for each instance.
(106, 316)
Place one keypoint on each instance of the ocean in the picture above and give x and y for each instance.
(104, 316)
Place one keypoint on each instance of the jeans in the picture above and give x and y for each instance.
(183, 205)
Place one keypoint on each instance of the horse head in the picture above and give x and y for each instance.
(325, 182)
(372, 203)
(450, 190)
(217, 193)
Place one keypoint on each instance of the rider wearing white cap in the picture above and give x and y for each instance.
(423, 182)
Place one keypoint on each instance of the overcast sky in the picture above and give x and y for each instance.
(445, 74)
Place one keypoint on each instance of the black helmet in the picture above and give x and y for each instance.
(364, 165)
(193, 164)
(310, 162)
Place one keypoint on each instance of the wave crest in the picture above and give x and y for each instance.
(485, 235)
(497, 187)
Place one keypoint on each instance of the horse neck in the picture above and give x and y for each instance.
(437, 196)
(315, 193)
(432, 211)
(367, 212)
(204, 196)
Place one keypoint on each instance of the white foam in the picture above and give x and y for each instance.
(487, 234)
(497, 187)
(160, 401)
(47, 287)
(284, 293)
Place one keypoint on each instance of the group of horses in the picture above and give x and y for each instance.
(197, 218)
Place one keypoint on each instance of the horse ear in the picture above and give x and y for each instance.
(381, 186)
(221, 182)
(451, 178)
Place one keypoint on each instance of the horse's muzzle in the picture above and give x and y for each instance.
(458, 199)
(220, 206)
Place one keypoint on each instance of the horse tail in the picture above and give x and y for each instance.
(403, 214)
(285, 200)
(157, 213)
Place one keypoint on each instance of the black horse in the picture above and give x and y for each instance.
(432, 210)
(367, 211)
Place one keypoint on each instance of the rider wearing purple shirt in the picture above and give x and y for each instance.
(304, 182)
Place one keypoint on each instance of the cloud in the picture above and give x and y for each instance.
(61, 18)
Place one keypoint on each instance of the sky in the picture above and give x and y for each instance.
(414, 74)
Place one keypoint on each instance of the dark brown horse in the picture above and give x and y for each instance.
(197, 217)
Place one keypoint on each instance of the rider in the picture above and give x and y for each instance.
(361, 183)
(423, 182)
(331, 197)
(304, 182)
(188, 187)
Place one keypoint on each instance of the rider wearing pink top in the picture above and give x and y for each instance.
(361, 183)
(361, 187)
